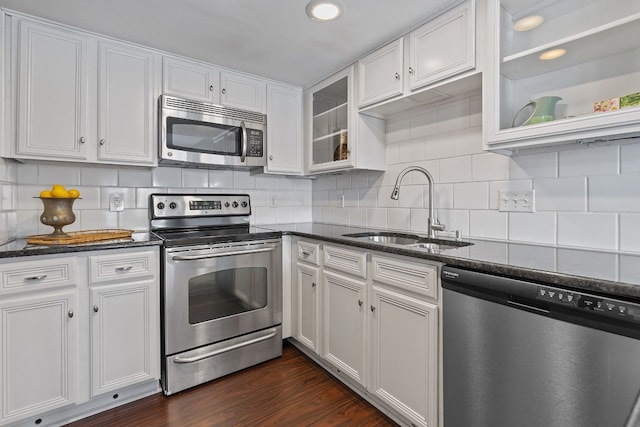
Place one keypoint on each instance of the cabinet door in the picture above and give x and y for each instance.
(308, 306)
(126, 104)
(344, 323)
(443, 47)
(190, 80)
(38, 352)
(380, 74)
(284, 130)
(245, 93)
(53, 93)
(405, 354)
(124, 336)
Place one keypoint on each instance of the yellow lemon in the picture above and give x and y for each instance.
(73, 193)
(58, 186)
(60, 192)
(46, 194)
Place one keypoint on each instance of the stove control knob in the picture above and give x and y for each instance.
(234, 204)
(243, 204)
(160, 205)
(173, 205)
(226, 204)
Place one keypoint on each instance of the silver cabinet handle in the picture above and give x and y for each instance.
(373, 309)
(306, 253)
(245, 143)
(211, 88)
(360, 302)
(82, 140)
(397, 76)
(32, 278)
(95, 308)
(70, 313)
(127, 268)
(102, 141)
(313, 284)
(224, 91)
(410, 70)
(220, 254)
(272, 333)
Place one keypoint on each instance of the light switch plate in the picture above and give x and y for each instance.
(516, 201)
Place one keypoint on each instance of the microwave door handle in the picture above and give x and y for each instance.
(243, 154)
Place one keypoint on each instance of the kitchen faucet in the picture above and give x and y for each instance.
(432, 222)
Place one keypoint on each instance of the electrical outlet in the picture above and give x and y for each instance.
(517, 201)
(116, 202)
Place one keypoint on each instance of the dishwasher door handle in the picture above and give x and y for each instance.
(527, 306)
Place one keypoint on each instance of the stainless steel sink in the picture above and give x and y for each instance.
(409, 240)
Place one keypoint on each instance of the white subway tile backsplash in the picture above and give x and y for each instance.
(471, 195)
(134, 219)
(411, 196)
(220, 179)
(320, 198)
(342, 216)
(561, 194)
(443, 195)
(384, 197)
(357, 217)
(351, 198)
(411, 150)
(468, 141)
(542, 165)
(284, 183)
(418, 220)
(90, 199)
(55, 174)
(455, 169)
(630, 158)
(600, 160)
(359, 179)
(27, 174)
(243, 179)
(376, 179)
(398, 130)
(142, 196)
(538, 257)
(98, 219)
(488, 224)
(399, 219)
(423, 123)
(439, 146)
(167, 177)
(195, 178)
(368, 197)
(392, 152)
(266, 182)
(453, 116)
(588, 230)
(489, 167)
(539, 227)
(343, 181)
(101, 176)
(583, 263)
(28, 222)
(454, 219)
(629, 269)
(134, 178)
(630, 232)
(614, 193)
(27, 197)
(377, 218)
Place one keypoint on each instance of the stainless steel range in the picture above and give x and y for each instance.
(221, 288)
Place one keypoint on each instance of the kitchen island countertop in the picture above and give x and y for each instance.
(611, 273)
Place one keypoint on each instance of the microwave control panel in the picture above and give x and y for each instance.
(255, 146)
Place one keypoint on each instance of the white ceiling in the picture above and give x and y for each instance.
(270, 38)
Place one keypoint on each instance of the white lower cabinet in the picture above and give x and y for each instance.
(404, 340)
(379, 325)
(73, 328)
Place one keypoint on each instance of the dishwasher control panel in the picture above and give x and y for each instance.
(580, 301)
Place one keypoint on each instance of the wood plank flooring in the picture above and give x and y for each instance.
(289, 391)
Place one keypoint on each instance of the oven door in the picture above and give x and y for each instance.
(216, 292)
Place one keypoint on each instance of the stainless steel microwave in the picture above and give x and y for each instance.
(194, 133)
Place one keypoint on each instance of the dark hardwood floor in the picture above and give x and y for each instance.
(289, 391)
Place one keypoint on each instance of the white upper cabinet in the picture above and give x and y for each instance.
(190, 80)
(380, 74)
(338, 137)
(532, 101)
(243, 92)
(53, 92)
(284, 130)
(126, 103)
(78, 102)
(422, 67)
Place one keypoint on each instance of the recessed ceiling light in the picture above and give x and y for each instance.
(324, 10)
(552, 54)
(528, 23)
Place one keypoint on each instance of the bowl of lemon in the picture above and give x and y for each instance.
(58, 204)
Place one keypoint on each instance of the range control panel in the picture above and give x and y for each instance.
(180, 205)
(600, 305)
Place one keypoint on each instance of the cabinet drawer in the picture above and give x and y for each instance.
(309, 252)
(105, 268)
(37, 274)
(414, 276)
(349, 261)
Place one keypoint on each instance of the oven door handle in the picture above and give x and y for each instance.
(220, 254)
(245, 143)
(194, 359)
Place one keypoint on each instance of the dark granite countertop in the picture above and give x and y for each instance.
(606, 272)
(19, 247)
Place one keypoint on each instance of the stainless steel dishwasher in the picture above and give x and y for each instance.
(524, 354)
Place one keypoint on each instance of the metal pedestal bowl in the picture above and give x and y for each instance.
(57, 213)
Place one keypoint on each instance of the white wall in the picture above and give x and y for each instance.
(8, 203)
(589, 197)
(292, 196)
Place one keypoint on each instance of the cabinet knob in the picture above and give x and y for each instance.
(70, 313)
(95, 308)
(82, 140)
(270, 156)
(373, 309)
(313, 284)
(410, 70)
(211, 88)
(360, 302)
(224, 91)
(102, 141)
(397, 76)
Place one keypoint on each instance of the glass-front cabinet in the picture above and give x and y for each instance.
(562, 71)
(338, 137)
